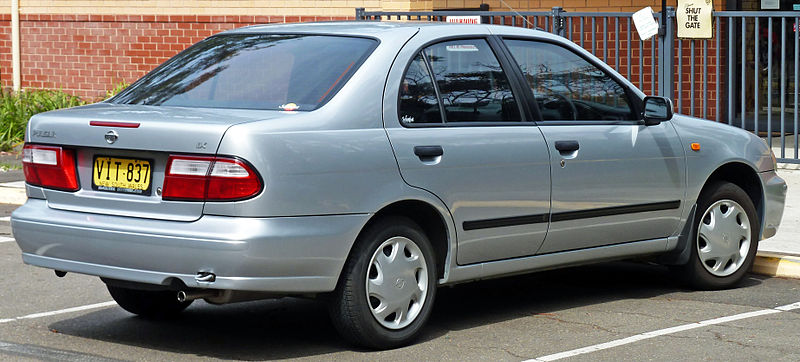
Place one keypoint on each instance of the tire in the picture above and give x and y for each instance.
(724, 213)
(150, 304)
(383, 297)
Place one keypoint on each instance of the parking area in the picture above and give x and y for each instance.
(612, 311)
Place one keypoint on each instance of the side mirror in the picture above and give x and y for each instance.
(656, 110)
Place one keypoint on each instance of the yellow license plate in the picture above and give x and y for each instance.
(125, 175)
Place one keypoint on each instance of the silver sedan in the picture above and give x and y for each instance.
(369, 163)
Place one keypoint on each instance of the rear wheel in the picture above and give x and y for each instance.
(152, 304)
(724, 240)
(387, 287)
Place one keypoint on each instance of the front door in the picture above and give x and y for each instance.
(615, 180)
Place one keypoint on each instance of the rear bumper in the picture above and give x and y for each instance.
(774, 200)
(281, 254)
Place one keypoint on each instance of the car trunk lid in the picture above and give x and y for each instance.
(149, 134)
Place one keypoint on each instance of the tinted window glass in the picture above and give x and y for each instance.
(418, 102)
(473, 86)
(566, 86)
(253, 71)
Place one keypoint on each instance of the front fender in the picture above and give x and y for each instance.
(720, 144)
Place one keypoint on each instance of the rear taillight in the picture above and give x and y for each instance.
(193, 178)
(50, 166)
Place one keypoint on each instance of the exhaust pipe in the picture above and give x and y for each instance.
(189, 295)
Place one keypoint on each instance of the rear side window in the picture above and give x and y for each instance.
(472, 85)
(253, 71)
(418, 101)
(567, 87)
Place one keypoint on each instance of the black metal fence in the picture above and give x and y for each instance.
(746, 75)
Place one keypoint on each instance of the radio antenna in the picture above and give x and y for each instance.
(518, 14)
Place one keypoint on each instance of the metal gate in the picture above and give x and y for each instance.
(746, 75)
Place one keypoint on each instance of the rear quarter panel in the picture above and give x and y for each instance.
(334, 160)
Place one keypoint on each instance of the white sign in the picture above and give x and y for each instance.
(462, 48)
(770, 4)
(694, 19)
(646, 26)
(464, 19)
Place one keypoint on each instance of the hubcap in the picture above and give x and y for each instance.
(397, 282)
(723, 238)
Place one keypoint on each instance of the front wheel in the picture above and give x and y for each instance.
(387, 287)
(724, 240)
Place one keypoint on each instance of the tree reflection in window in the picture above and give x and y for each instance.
(566, 86)
(253, 71)
(471, 82)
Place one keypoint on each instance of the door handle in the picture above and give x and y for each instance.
(428, 151)
(567, 146)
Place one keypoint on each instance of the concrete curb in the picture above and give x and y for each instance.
(11, 193)
(777, 265)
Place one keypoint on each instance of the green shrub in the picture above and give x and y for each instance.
(117, 88)
(16, 108)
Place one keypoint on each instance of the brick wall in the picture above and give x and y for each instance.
(5, 49)
(87, 54)
(86, 46)
(683, 90)
(569, 5)
(214, 7)
(65, 47)
(313, 7)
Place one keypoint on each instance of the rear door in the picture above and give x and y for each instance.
(458, 130)
(615, 180)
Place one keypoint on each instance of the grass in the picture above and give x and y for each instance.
(16, 108)
(5, 166)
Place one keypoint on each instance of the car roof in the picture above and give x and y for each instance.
(379, 29)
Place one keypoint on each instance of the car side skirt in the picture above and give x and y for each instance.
(541, 262)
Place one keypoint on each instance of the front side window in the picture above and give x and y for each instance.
(567, 87)
(472, 85)
(253, 71)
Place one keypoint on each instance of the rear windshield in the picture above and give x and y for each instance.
(253, 71)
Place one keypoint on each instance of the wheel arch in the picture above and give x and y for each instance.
(735, 172)
(744, 176)
(429, 218)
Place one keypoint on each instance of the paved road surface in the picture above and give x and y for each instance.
(617, 310)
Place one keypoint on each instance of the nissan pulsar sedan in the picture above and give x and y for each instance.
(368, 163)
